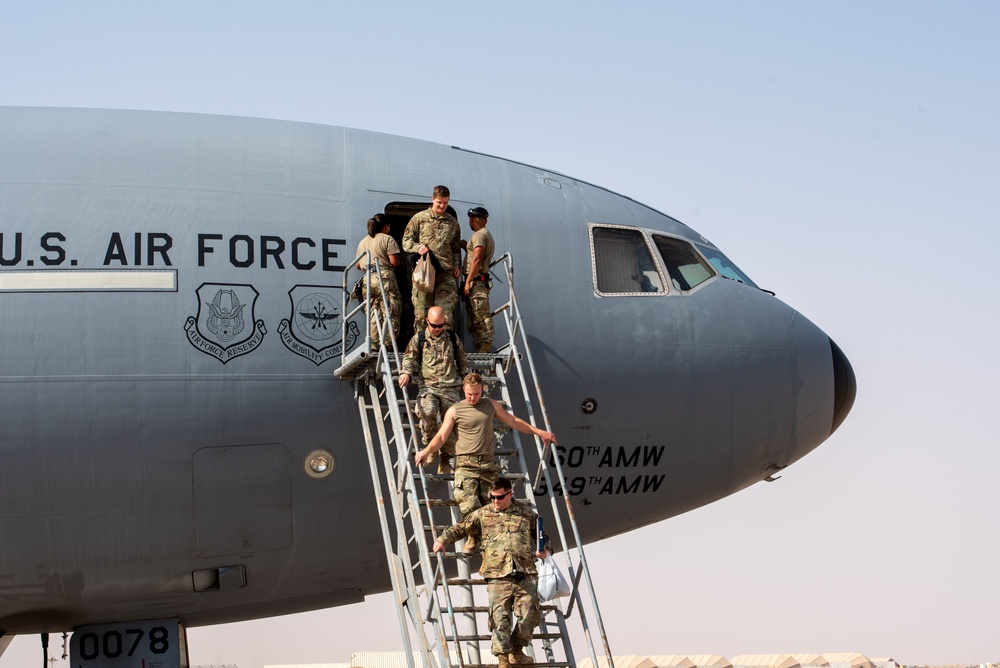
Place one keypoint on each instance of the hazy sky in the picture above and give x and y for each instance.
(845, 154)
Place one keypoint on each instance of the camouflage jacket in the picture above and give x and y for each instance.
(507, 538)
(440, 365)
(442, 234)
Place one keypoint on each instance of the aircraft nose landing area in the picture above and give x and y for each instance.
(845, 386)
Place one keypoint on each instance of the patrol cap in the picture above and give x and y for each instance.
(478, 212)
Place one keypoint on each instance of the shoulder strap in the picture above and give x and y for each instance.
(454, 347)
(422, 339)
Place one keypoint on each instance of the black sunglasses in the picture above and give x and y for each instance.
(431, 324)
(497, 498)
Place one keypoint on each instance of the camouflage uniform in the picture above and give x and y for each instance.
(441, 369)
(475, 466)
(381, 246)
(478, 316)
(509, 567)
(441, 234)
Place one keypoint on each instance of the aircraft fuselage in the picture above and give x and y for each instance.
(162, 389)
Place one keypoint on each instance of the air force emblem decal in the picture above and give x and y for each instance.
(224, 326)
(313, 328)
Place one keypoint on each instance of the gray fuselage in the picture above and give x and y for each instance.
(145, 440)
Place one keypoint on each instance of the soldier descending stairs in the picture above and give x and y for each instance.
(440, 606)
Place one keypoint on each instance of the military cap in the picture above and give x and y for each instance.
(478, 212)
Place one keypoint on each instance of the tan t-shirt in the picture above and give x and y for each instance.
(474, 425)
(481, 238)
(381, 246)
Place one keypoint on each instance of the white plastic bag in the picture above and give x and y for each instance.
(423, 274)
(551, 583)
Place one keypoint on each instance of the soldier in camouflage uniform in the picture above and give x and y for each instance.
(383, 248)
(475, 466)
(507, 527)
(439, 361)
(478, 258)
(436, 231)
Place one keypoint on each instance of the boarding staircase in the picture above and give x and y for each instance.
(441, 607)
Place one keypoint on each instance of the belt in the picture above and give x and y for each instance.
(516, 576)
(479, 458)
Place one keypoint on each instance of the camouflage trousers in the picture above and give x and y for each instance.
(478, 316)
(395, 300)
(445, 295)
(507, 597)
(430, 407)
(474, 475)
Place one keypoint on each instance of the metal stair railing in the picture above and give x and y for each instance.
(564, 517)
(422, 588)
(389, 439)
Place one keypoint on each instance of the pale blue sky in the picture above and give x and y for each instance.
(845, 154)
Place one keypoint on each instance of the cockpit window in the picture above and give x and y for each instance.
(685, 267)
(724, 265)
(623, 262)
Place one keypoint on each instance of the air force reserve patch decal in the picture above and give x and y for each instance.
(225, 327)
(313, 328)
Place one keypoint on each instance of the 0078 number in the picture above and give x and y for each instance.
(113, 644)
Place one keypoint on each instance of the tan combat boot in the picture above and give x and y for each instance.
(518, 657)
(502, 661)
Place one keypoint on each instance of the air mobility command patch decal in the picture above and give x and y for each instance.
(312, 330)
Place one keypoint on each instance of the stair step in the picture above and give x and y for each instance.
(438, 502)
(486, 608)
(443, 477)
(557, 664)
(489, 636)
(449, 477)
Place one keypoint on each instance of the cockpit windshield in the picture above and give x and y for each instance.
(686, 268)
(623, 263)
(724, 265)
(632, 261)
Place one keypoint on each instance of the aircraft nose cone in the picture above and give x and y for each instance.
(845, 386)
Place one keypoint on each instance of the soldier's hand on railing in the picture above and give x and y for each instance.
(438, 547)
(547, 437)
(422, 457)
(404, 378)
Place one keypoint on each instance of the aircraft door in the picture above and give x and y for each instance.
(399, 214)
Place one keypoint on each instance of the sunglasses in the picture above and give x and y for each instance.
(497, 498)
(431, 324)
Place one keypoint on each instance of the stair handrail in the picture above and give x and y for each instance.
(514, 321)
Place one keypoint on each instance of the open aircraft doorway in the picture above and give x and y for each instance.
(399, 214)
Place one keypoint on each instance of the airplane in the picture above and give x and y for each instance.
(171, 298)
